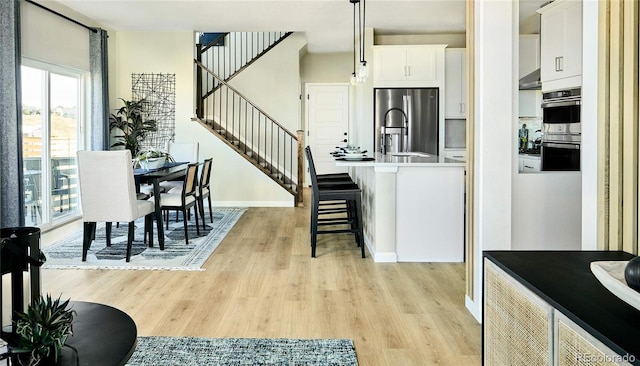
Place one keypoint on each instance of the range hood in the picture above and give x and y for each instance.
(531, 81)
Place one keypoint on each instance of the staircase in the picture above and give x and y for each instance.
(236, 120)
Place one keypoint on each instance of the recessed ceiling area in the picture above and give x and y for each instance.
(327, 24)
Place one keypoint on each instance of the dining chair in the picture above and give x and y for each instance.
(108, 194)
(182, 200)
(60, 183)
(180, 152)
(204, 189)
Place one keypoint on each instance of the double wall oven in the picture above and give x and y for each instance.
(561, 130)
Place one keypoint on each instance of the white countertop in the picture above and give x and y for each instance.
(421, 160)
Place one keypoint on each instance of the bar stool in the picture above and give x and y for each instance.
(343, 196)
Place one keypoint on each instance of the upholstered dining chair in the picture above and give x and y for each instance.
(182, 200)
(108, 194)
(182, 152)
(203, 190)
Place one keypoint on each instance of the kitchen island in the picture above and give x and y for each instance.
(413, 206)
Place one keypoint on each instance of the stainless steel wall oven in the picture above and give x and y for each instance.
(561, 129)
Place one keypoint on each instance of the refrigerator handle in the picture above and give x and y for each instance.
(408, 104)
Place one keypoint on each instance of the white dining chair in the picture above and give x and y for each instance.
(108, 194)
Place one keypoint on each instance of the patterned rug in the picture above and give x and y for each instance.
(67, 253)
(190, 351)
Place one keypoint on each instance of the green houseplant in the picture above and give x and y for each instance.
(132, 125)
(42, 331)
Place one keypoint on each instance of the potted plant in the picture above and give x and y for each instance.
(42, 331)
(132, 125)
(153, 159)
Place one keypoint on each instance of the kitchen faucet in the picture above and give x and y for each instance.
(403, 131)
(406, 120)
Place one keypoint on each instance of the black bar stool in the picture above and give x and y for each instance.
(333, 195)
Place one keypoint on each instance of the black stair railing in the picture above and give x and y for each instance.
(252, 132)
(227, 54)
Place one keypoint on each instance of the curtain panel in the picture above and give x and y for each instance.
(11, 175)
(99, 122)
(618, 100)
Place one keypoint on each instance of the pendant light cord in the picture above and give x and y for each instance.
(354, 37)
(364, 14)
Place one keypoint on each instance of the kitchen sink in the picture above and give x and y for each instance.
(411, 154)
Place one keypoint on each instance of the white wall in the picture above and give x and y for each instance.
(273, 82)
(235, 181)
(589, 115)
(546, 211)
(495, 30)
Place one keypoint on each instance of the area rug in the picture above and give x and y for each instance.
(190, 351)
(67, 253)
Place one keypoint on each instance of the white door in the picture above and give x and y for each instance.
(327, 124)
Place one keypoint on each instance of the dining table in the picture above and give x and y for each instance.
(170, 171)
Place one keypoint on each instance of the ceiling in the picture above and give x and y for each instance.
(328, 24)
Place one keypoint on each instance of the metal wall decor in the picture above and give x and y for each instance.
(159, 93)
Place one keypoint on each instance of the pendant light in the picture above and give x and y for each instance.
(354, 77)
(363, 72)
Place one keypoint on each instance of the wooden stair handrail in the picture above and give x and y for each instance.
(291, 134)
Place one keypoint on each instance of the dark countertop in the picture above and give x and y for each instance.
(564, 280)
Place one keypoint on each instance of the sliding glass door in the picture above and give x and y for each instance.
(51, 121)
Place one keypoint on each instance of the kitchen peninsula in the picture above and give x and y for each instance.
(413, 206)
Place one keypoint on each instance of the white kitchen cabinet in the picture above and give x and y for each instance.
(529, 59)
(529, 103)
(407, 65)
(456, 154)
(561, 45)
(455, 105)
(528, 164)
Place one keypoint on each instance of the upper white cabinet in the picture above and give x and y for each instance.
(529, 59)
(406, 66)
(455, 105)
(529, 103)
(561, 45)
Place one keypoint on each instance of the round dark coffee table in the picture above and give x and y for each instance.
(103, 335)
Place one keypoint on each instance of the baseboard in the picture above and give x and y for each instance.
(252, 203)
(474, 308)
(388, 257)
(385, 257)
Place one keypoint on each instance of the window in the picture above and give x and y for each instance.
(51, 124)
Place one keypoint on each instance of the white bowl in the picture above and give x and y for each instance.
(152, 163)
(354, 155)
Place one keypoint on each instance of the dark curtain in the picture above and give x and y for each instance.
(99, 90)
(11, 175)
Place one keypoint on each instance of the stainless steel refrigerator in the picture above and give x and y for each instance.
(414, 111)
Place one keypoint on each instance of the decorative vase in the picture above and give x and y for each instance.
(632, 273)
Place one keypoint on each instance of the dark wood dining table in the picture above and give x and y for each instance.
(171, 171)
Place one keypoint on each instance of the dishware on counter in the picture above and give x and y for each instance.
(354, 156)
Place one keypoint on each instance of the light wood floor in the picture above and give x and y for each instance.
(262, 282)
